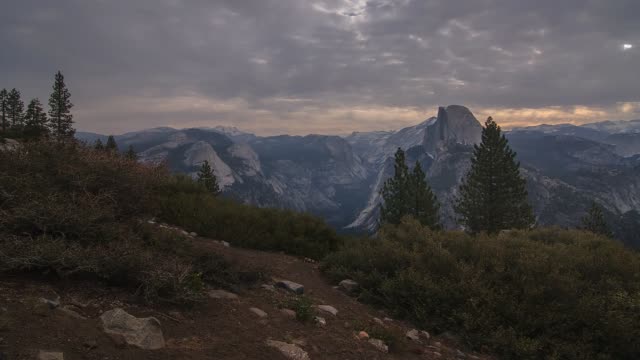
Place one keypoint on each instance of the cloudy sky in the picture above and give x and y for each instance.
(325, 66)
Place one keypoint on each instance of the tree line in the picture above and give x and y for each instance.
(34, 122)
(492, 196)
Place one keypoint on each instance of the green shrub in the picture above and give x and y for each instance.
(546, 293)
(185, 203)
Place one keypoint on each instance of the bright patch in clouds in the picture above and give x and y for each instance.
(627, 46)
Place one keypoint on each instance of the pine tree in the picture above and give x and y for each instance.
(15, 109)
(60, 110)
(131, 154)
(99, 145)
(35, 120)
(4, 121)
(493, 194)
(111, 144)
(208, 178)
(595, 222)
(408, 193)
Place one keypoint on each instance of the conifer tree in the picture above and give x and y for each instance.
(111, 144)
(35, 120)
(207, 178)
(595, 222)
(408, 193)
(99, 145)
(4, 121)
(60, 110)
(15, 109)
(131, 154)
(493, 194)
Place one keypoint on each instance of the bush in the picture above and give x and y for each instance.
(185, 203)
(547, 293)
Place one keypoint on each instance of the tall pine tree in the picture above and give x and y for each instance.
(207, 178)
(15, 110)
(60, 110)
(98, 145)
(131, 154)
(408, 193)
(595, 222)
(493, 194)
(35, 120)
(4, 121)
(111, 144)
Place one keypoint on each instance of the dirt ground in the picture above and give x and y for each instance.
(218, 329)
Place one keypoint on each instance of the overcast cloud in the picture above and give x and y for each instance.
(330, 66)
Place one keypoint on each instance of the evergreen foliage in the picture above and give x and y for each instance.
(98, 145)
(493, 194)
(15, 109)
(131, 154)
(35, 120)
(595, 222)
(111, 144)
(60, 110)
(408, 194)
(4, 121)
(207, 178)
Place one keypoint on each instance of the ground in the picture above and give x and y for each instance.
(217, 329)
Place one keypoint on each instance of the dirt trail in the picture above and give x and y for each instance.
(218, 329)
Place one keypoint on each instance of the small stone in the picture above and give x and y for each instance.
(183, 232)
(460, 354)
(362, 335)
(194, 234)
(226, 244)
(288, 313)
(320, 321)
(379, 344)
(349, 286)
(378, 321)
(144, 333)
(290, 351)
(291, 286)
(258, 312)
(90, 344)
(328, 309)
(413, 335)
(51, 303)
(388, 319)
(425, 334)
(46, 355)
(436, 354)
(222, 294)
(437, 343)
(67, 311)
(151, 222)
(268, 287)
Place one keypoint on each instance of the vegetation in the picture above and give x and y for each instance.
(208, 179)
(546, 293)
(493, 194)
(61, 120)
(408, 193)
(111, 145)
(595, 222)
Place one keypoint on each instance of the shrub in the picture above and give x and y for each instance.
(547, 293)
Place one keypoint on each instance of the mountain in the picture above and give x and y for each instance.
(339, 178)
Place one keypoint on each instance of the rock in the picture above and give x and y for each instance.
(413, 335)
(183, 232)
(320, 320)
(378, 321)
(222, 294)
(290, 351)
(51, 303)
(289, 313)
(328, 309)
(151, 221)
(349, 286)
(144, 333)
(9, 145)
(194, 234)
(268, 287)
(90, 344)
(460, 354)
(258, 312)
(425, 334)
(388, 319)
(226, 244)
(291, 286)
(363, 335)
(379, 344)
(46, 355)
(67, 311)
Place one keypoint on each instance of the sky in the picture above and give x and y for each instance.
(325, 66)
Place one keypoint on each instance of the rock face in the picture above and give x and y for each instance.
(290, 351)
(291, 286)
(144, 333)
(455, 124)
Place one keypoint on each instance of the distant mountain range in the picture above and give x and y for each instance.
(339, 178)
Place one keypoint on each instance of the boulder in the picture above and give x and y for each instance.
(349, 286)
(291, 286)
(290, 351)
(320, 320)
(288, 313)
(258, 312)
(328, 309)
(222, 294)
(379, 344)
(144, 333)
(413, 335)
(46, 355)
(363, 335)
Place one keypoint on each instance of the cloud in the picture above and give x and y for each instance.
(325, 65)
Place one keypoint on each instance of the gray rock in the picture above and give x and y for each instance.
(320, 320)
(290, 351)
(9, 145)
(289, 313)
(291, 286)
(258, 312)
(328, 309)
(144, 333)
(51, 303)
(268, 287)
(425, 334)
(71, 313)
(226, 244)
(379, 344)
(349, 286)
(378, 321)
(413, 335)
(222, 294)
(460, 354)
(46, 355)
(194, 234)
